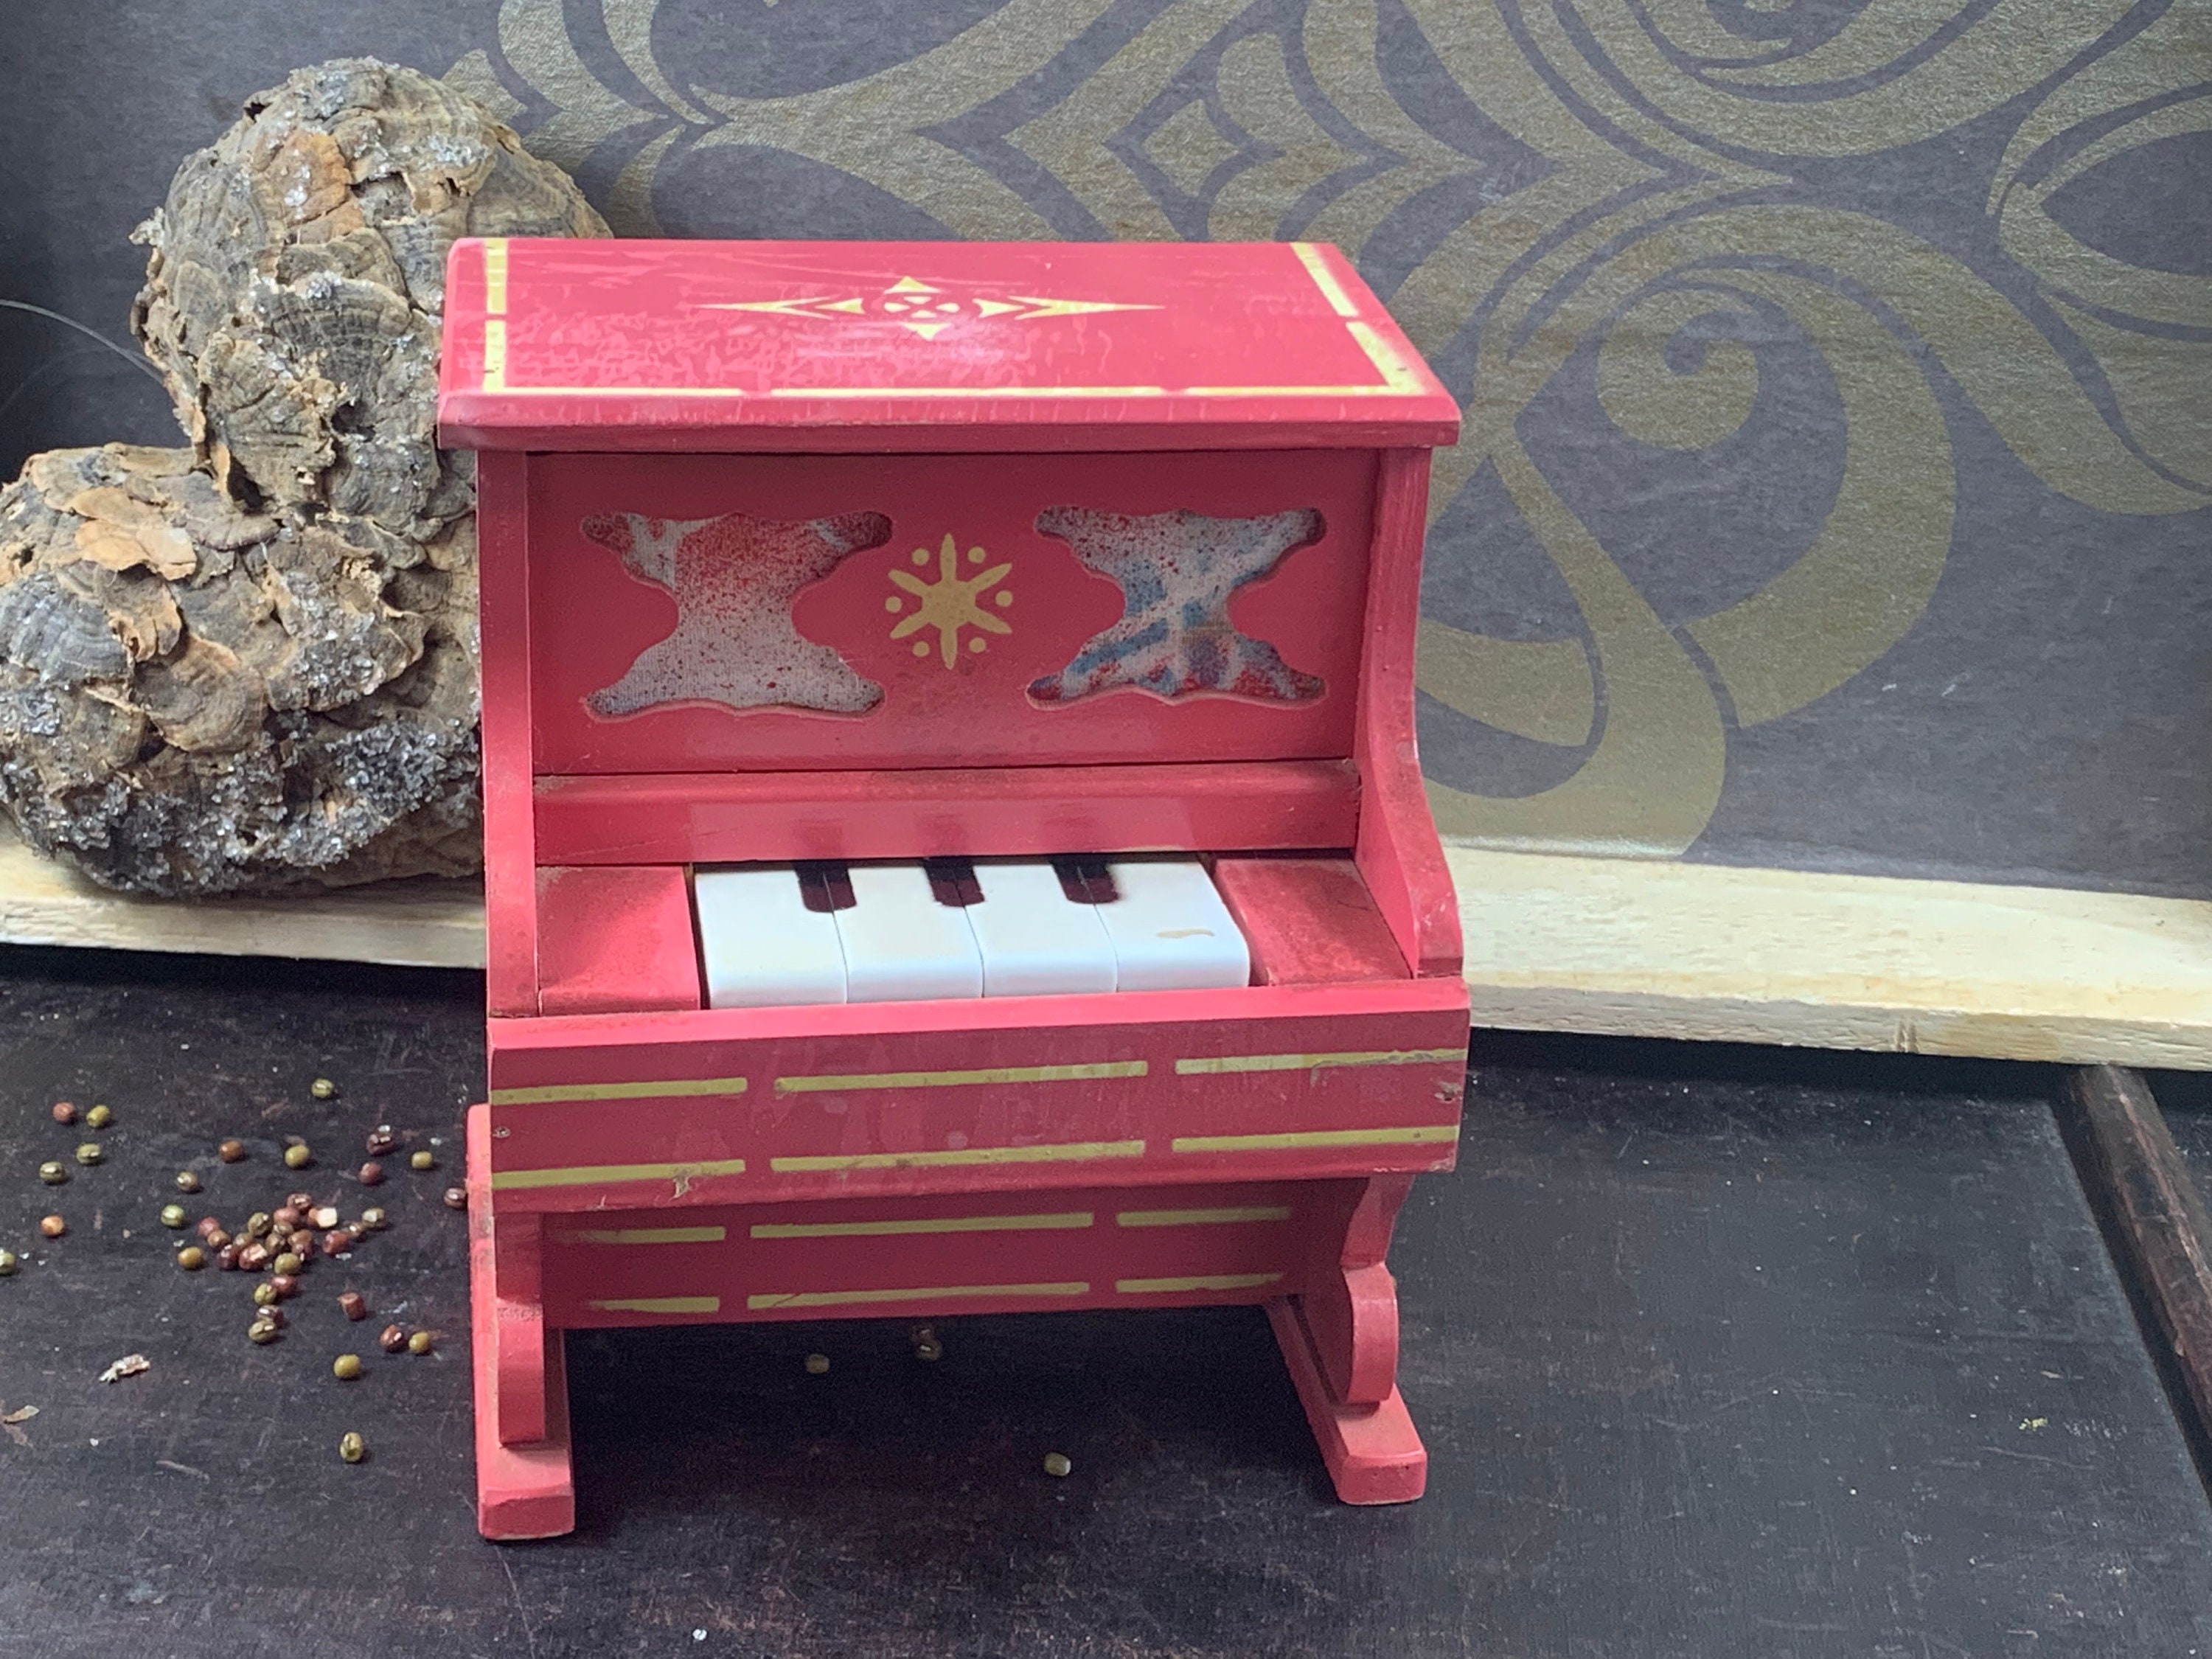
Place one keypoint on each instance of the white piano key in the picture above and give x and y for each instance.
(1035, 940)
(901, 944)
(761, 946)
(1169, 928)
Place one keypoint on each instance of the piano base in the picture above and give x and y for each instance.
(1310, 1252)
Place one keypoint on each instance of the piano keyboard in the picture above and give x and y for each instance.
(778, 935)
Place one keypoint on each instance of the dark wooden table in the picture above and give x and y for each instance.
(1718, 1352)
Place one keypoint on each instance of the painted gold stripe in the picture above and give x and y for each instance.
(1057, 1153)
(507, 1180)
(495, 355)
(1066, 1220)
(1324, 279)
(672, 1088)
(1396, 376)
(917, 1293)
(659, 1304)
(981, 391)
(495, 258)
(645, 1236)
(1409, 387)
(1195, 1282)
(826, 1083)
(1418, 1135)
(1306, 1062)
(1201, 1217)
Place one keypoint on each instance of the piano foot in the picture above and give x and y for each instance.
(1372, 1452)
(527, 1490)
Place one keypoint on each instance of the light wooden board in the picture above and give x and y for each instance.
(1649, 949)
(417, 924)
(1554, 944)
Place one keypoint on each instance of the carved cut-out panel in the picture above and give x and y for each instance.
(713, 612)
(1176, 571)
(734, 578)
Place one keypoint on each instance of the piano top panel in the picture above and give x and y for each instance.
(558, 345)
(662, 588)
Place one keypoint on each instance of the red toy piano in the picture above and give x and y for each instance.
(954, 842)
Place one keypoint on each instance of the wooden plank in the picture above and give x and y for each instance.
(1555, 943)
(2154, 1217)
(416, 924)
(1649, 949)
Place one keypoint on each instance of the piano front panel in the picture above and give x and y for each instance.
(696, 614)
(775, 1104)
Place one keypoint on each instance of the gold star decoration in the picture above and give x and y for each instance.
(926, 309)
(951, 603)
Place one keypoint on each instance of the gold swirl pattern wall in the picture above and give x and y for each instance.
(1772, 322)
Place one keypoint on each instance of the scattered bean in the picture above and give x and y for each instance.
(298, 1157)
(51, 1226)
(53, 1174)
(264, 1295)
(423, 1159)
(382, 1141)
(372, 1219)
(371, 1174)
(337, 1242)
(64, 1112)
(391, 1339)
(261, 1331)
(231, 1151)
(172, 1215)
(355, 1304)
(352, 1448)
(7, 1264)
(215, 1238)
(287, 1265)
(302, 1202)
(456, 1198)
(1057, 1465)
(273, 1315)
(253, 1257)
(327, 1217)
(89, 1153)
(209, 1225)
(323, 1089)
(226, 1257)
(817, 1363)
(258, 1224)
(420, 1342)
(99, 1117)
(346, 1367)
(187, 1181)
(192, 1258)
(285, 1284)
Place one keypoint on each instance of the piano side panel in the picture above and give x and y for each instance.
(638, 570)
(510, 850)
(1398, 851)
(743, 817)
(733, 1106)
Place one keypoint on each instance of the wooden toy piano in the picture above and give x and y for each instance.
(954, 838)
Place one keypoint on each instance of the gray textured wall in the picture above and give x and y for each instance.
(1834, 487)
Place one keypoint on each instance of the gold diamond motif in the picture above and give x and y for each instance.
(924, 307)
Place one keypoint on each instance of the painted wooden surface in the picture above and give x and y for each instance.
(765, 345)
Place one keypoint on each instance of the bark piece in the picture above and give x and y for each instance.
(250, 664)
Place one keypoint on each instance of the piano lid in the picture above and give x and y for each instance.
(557, 344)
